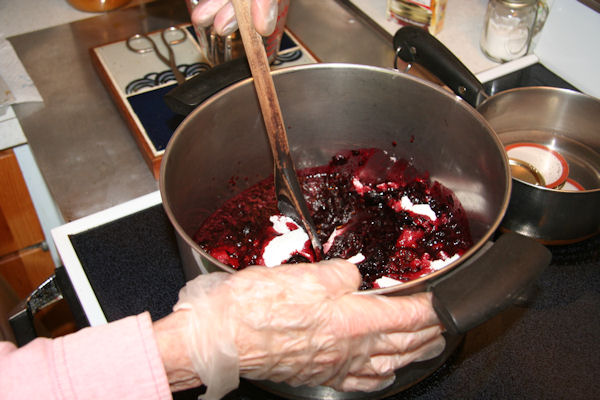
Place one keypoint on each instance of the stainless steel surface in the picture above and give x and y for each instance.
(335, 34)
(85, 151)
(567, 122)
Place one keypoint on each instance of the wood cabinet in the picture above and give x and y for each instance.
(25, 261)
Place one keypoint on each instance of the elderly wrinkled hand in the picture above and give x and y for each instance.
(303, 325)
(221, 15)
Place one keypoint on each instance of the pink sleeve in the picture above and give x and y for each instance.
(119, 360)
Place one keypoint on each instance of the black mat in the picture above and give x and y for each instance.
(132, 264)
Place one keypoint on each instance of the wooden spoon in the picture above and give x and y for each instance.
(290, 200)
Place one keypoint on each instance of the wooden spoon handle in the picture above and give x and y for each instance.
(290, 199)
(261, 73)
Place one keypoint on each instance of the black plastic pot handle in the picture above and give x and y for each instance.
(483, 287)
(184, 98)
(416, 45)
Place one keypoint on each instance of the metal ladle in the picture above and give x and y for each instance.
(290, 200)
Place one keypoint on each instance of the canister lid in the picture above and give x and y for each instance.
(518, 3)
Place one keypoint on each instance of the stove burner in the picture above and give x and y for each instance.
(533, 75)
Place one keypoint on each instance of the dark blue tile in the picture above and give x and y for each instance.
(287, 42)
(156, 117)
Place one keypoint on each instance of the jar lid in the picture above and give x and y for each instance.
(519, 3)
(537, 164)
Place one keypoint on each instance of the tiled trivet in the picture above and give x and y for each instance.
(138, 82)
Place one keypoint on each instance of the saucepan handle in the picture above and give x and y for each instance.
(416, 45)
(184, 98)
(477, 291)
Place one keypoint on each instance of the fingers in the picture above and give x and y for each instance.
(405, 312)
(385, 314)
(383, 365)
(264, 16)
(205, 11)
(221, 14)
(398, 350)
(379, 372)
(374, 373)
(225, 22)
(404, 342)
(432, 349)
(412, 338)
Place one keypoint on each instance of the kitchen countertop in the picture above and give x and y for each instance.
(82, 145)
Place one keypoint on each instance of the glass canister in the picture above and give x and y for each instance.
(508, 28)
(220, 49)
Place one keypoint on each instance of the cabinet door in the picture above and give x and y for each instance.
(19, 225)
(26, 269)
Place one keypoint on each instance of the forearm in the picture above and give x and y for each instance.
(118, 360)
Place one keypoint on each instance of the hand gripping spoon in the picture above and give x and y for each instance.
(290, 200)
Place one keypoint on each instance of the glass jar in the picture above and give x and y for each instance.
(508, 28)
(427, 14)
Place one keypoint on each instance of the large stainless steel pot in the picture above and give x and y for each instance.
(221, 148)
(563, 120)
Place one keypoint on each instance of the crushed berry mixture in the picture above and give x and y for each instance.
(358, 195)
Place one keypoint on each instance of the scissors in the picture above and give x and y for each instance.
(142, 43)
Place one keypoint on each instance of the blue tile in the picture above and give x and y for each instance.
(156, 117)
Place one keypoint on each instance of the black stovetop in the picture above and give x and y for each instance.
(546, 347)
(533, 75)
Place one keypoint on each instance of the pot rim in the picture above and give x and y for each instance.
(421, 283)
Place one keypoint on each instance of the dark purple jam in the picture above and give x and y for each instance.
(360, 193)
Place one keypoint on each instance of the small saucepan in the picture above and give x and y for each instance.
(551, 136)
